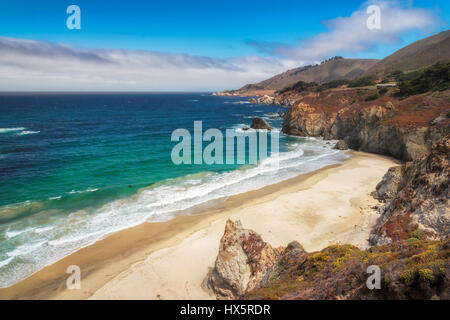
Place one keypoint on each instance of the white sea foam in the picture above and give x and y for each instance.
(237, 102)
(83, 191)
(6, 262)
(43, 229)
(25, 249)
(27, 132)
(7, 130)
(14, 233)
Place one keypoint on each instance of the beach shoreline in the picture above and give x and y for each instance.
(140, 262)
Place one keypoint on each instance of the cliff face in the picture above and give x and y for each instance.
(399, 128)
(417, 195)
(417, 192)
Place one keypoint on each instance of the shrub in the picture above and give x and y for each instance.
(362, 82)
(332, 84)
(434, 78)
(426, 275)
(382, 91)
(300, 86)
(396, 74)
(374, 96)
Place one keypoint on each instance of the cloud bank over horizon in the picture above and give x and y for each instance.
(29, 65)
(34, 65)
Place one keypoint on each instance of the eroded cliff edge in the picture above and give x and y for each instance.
(403, 129)
(417, 198)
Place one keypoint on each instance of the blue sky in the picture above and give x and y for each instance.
(213, 29)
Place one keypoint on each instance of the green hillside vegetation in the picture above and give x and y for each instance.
(335, 68)
(434, 78)
(362, 82)
(302, 86)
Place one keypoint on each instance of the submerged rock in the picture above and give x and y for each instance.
(260, 123)
(241, 264)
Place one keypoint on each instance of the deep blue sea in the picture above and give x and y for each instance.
(77, 167)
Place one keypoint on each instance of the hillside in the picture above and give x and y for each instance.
(420, 54)
(331, 70)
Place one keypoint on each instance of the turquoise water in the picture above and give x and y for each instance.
(75, 168)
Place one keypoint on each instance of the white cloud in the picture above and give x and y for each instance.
(350, 34)
(33, 65)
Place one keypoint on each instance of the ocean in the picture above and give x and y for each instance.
(77, 167)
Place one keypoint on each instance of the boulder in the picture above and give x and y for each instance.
(252, 101)
(391, 183)
(341, 145)
(438, 120)
(266, 100)
(260, 123)
(241, 264)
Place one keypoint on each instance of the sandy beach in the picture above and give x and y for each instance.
(169, 260)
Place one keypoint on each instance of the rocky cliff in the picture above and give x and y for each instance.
(387, 125)
(417, 198)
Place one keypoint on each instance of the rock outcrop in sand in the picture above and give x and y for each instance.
(418, 198)
(260, 123)
(241, 264)
(341, 145)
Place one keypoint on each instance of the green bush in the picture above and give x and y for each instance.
(362, 82)
(396, 74)
(332, 84)
(382, 91)
(374, 96)
(434, 78)
(300, 86)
